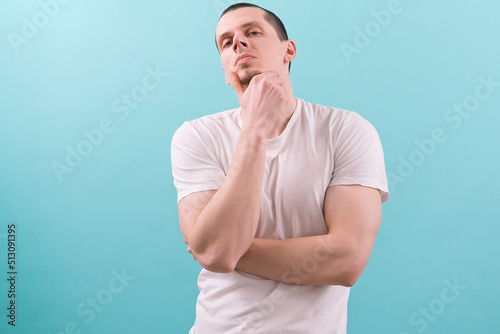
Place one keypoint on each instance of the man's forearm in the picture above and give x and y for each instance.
(226, 226)
(314, 260)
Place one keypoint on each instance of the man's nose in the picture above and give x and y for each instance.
(239, 41)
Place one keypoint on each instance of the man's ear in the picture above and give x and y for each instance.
(291, 51)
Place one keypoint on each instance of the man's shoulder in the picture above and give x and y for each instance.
(323, 113)
(334, 119)
(211, 123)
(230, 114)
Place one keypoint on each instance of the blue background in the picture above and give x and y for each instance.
(116, 212)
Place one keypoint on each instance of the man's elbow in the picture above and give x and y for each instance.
(351, 272)
(216, 263)
(352, 265)
(349, 279)
(217, 267)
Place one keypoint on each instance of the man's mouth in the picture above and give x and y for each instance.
(243, 58)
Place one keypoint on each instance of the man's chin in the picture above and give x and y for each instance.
(247, 76)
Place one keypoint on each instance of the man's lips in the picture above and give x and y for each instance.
(243, 58)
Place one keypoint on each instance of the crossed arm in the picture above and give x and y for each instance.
(219, 226)
(352, 214)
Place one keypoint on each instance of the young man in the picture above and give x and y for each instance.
(280, 199)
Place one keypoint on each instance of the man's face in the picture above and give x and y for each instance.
(244, 31)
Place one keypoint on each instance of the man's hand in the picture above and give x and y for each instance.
(263, 103)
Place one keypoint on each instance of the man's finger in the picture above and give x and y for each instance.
(234, 80)
(273, 76)
(270, 73)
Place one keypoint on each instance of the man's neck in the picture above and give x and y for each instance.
(290, 109)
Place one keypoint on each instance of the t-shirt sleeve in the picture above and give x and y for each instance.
(358, 157)
(194, 167)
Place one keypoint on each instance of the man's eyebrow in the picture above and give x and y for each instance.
(243, 26)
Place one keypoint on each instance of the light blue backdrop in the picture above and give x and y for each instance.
(92, 92)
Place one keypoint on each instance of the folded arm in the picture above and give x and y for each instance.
(352, 214)
(219, 225)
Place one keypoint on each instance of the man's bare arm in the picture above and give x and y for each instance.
(223, 229)
(219, 226)
(353, 215)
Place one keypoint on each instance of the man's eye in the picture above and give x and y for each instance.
(253, 32)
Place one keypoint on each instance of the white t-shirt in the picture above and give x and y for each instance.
(320, 147)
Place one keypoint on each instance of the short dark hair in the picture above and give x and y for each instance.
(269, 16)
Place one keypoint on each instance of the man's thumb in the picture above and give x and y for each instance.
(234, 80)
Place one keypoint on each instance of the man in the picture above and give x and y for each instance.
(280, 199)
